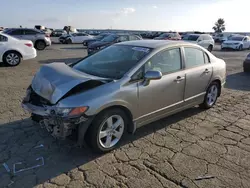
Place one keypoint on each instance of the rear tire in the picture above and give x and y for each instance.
(95, 137)
(40, 45)
(246, 69)
(210, 48)
(12, 58)
(211, 96)
(68, 41)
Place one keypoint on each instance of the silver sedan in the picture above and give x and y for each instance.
(121, 88)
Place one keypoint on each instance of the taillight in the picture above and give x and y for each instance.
(28, 44)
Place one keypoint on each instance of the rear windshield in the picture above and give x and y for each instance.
(191, 37)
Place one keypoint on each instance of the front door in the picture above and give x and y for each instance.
(198, 74)
(3, 42)
(162, 96)
(29, 34)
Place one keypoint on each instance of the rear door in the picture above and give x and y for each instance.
(3, 43)
(198, 73)
(30, 34)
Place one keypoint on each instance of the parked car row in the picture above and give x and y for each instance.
(109, 40)
(236, 42)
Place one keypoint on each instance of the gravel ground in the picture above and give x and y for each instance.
(171, 152)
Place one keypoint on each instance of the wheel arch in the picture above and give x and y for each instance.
(217, 80)
(131, 125)
(12, 50)
(38, 40)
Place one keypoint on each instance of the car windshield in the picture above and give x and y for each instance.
(191, 37)
(236, 38)
(109, 38)
(112, 62)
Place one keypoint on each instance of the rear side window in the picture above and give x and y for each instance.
(193, 57)
(30, 32)
(16, 32)
(3, 38)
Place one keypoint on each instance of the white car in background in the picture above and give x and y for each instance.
(78, 38)
(13, 50)
(236, 42)
(204, 40)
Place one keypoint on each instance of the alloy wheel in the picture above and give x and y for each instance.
(12, 59)
(111, 131)
(212, 95)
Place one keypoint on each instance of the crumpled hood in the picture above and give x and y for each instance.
(55, 80)
(231, 42)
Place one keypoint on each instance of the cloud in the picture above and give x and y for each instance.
(154, 6)
(127, 10)
(45, 20)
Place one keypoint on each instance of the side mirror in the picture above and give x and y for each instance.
(199, 41)
(151, 75)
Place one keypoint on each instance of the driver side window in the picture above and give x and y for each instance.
(166, 61)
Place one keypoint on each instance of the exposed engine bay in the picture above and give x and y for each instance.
(47, 90)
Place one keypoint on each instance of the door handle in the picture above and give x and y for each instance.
(206, 71)
(179, 78)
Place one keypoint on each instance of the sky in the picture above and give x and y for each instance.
(158, 15)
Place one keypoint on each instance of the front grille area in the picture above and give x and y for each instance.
(37, 100)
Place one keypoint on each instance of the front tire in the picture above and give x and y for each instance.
(107, 130)
(211, 96)
(12, 58)
(240, 47)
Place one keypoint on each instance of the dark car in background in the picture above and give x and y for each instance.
(40, 39)
(169, 36)
(246, 64)
(109, 40)
(96, 38)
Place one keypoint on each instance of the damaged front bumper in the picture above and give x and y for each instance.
(60, 127)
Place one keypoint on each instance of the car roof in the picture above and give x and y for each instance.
(154, 43)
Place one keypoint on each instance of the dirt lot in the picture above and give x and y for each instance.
(168, 153)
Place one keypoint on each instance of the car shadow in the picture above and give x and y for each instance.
(238, 81)
(73, 48)
(22, 141)
(65, 60)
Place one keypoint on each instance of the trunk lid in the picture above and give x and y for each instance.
(55, 80)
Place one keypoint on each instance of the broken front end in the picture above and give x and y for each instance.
(60, 122)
